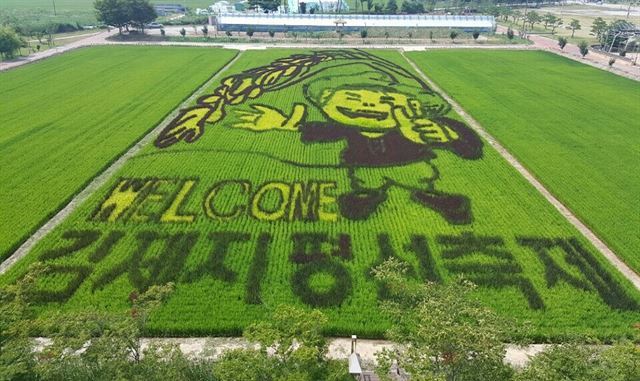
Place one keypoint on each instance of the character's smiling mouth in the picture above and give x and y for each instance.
(370, 114)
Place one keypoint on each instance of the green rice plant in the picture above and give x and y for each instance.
(68, 117)
(292, 177)
(572, 125)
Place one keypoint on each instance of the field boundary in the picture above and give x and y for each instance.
(105, 175)
(626, 271)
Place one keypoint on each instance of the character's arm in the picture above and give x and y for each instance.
(468, 145)
(440, 132)
(265, 118)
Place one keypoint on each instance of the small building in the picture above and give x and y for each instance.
(165, 9)
(222, 7)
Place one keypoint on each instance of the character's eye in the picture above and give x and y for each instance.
(353, 96)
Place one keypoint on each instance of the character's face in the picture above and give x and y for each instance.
(369, 110)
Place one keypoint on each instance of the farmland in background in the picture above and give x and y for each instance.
(66, 118)
(573, 126)
(246, 219)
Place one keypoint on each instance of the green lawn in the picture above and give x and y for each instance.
(573, 126)
(249, 216)
(65, 119)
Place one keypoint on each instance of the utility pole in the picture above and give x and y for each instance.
(54, 7)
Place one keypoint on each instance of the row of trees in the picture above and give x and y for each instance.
(125, 13)
(441, 333)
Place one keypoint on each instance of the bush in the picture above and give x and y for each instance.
(228, 33)
(584, 48)
(562, 42)
(510, 34)
(611, 61)
(249, 32)
(623, 53)
(272, 33)
(476, 35)
(183, 32)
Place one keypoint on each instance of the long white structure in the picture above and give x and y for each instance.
(315, 22)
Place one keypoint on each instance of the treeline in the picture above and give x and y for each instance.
(125, 13)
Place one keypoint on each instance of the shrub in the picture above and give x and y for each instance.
(249, 32)
(562, 42)
(272, 33)
(611, 61)
(510, 33)
(476, 35)
(584, 48)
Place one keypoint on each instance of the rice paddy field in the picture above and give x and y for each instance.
(296, 173)
(66, 118)
(573, 126)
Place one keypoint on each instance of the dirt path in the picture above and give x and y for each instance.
(566, 213)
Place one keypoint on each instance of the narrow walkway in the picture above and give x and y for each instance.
(339, 348)
(566, 213)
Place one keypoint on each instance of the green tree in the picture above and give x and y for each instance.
(392, 6)
(440, 331)
(584, 48)
(183, 32)
(571, 361)
(112, 12)
(574, 25)
(516, 15)
(140, 12)
(532, 18)
(412, 7)
(562, 42)
(599, 27)
(10, 41)
(205, 31)
(266, 5)
(297, 351)
(555, 24)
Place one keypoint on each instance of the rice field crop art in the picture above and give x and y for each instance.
(295, 175)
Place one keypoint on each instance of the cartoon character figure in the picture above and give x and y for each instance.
(390, 132)
(391, 123)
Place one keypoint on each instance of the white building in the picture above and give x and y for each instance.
(261, 22)
(222, 7)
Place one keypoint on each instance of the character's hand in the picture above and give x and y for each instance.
(422, 130)
(265, 118)
(187, 126)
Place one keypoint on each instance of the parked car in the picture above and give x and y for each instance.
(154, 25)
